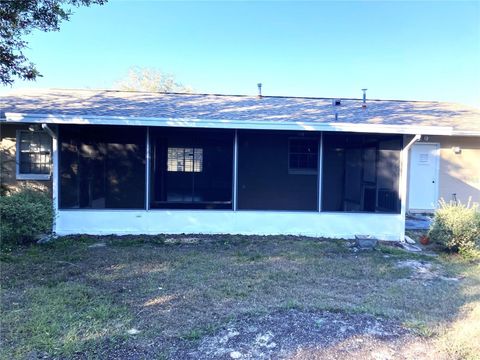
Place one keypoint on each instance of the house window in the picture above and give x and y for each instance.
(302, 156)
(185, 159)
(34, 149)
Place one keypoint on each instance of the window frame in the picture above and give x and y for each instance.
(196, 153)
(303, 171)
(31, 176)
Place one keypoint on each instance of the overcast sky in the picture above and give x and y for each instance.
(398, 50)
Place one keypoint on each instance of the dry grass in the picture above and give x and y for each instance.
(64, 298)
(460, 340)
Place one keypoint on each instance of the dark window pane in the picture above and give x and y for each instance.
(102, 167)
(25, 140)
(265, 181)
(361, 172)
(25, 167)
(192, 169)
(303, 156)
(35, 150)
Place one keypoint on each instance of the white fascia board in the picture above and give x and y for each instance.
(226, 124)
(465, 133)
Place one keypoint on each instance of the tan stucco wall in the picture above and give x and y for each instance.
(459, 173)
(8, 180)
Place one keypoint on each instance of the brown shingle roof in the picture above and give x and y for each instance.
(237, 107)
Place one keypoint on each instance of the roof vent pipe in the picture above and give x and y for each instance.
(364, 105)
(259, 90)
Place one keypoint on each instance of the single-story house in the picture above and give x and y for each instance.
(146, 163)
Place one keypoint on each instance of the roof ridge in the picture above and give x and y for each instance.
(231, 95)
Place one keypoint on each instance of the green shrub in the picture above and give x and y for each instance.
(456, 226)
(24, 215)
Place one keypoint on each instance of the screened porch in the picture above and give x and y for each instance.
(154, 168)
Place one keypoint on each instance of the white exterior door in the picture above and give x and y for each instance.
(423, 184)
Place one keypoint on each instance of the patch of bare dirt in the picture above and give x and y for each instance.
(424, 270)
(294, 334)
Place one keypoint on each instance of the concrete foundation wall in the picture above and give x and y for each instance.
(330, 225)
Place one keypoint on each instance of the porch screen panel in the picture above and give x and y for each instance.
(102, 167)
(361, 172)
(277, 170)
(192, 169)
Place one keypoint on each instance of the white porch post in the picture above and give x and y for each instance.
(320, 171)
(235, 170)
(147, 170)
(55, 172)
(404, 181)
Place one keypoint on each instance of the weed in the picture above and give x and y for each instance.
(291, 304)
(192, 335)
(248, 257)
(420, 328)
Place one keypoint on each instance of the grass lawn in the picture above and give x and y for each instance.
(150, 295)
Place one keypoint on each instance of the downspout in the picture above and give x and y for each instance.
(46, 128)
(404, 182)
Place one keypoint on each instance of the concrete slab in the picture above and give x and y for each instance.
(417, 222)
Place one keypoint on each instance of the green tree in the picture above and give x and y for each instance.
(18, 18)
(152, 80)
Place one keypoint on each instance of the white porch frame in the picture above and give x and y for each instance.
(147, 169)
(235, 170)
(55, 178)
(404, 166)
(154, 221)
(320, 171)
